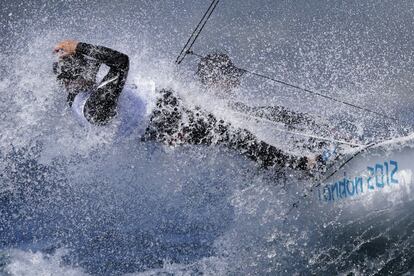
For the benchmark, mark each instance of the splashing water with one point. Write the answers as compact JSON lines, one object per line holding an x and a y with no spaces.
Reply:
{"x":76,"y":201}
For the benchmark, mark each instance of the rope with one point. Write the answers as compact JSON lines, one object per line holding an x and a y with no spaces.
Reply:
{"x":304,"y":89}
{"x":193,"y":37}
{"x":297,"y":133}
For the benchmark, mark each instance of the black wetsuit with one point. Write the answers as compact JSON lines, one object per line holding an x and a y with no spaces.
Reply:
{"x":101,"y":105}
{"x":171,"y":122}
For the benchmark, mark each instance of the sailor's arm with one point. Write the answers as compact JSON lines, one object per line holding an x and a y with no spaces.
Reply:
{"x":118,"y":66}
{"x":117,"y":61}
{"x":109,"y":57}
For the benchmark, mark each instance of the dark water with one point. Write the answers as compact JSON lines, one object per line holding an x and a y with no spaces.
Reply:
{"x":78,"y":202}
{"x":115,"y":212}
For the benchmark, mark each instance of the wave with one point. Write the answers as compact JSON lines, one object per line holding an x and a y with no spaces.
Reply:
{"x":78,"y":202}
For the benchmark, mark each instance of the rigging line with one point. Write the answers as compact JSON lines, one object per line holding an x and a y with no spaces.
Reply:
{"x":298,"y":133}
{"x":202,"y":27}
{"x":196,"y":32}
{"x":198,"y":25}
{"x":321,"y":95}
{"x":305,"y":90}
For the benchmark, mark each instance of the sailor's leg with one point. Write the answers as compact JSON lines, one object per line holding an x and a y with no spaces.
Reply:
{"x":171,"y":123}
{"x":264,"y":154}
{"x":277,"y":114}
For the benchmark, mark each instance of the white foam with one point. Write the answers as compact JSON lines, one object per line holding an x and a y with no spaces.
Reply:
{"x":27,"y":263}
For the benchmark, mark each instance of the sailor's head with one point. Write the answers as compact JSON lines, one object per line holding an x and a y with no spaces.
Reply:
{"x":216,"y":70}
{"x":72,"y":69}
{"x":69,"y":68}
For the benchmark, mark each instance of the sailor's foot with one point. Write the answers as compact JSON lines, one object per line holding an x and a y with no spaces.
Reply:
{"x":316,"y":165}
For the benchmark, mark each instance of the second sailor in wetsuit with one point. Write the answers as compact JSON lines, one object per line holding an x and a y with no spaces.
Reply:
{"x":171,"y":122}
{"x":216,"y":70}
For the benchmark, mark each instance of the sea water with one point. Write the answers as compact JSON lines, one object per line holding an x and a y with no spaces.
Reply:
{"x":76,"y":201}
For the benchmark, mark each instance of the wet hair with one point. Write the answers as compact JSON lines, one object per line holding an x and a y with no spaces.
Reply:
{"x":217,"y":69}
{"x":75,"y":67}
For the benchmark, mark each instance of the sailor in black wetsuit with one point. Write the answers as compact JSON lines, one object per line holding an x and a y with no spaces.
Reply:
{"x":77,"y":69}
{"x":170,"y":122}
{"x":217,"y":70}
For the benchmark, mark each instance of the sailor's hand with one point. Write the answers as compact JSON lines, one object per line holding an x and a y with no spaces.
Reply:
{"x":316,"y":164}
{"x":311,"y":164}
{"x":66,"y":48}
